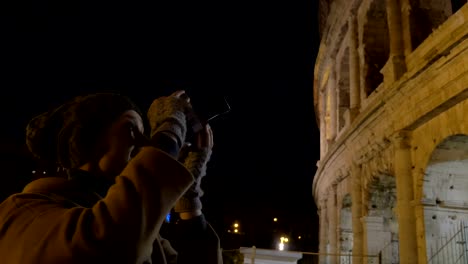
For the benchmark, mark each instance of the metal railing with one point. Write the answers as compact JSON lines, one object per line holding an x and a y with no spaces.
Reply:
{"x":450,"y":249}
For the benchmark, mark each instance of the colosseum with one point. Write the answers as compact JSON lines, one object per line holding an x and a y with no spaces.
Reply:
{"x":391,"y":100}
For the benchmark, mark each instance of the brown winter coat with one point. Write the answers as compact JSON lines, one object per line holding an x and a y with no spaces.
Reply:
{"x":46,"y":224}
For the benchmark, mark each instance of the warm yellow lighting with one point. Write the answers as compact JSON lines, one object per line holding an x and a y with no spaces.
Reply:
{"x":286,"y":239}
{"x":236,"y":225}
{"x":235,"y":230}
{"x":281,"y":246}
{"x":299,"y":237}
{"x":275,"y":219}
{"x":328,"y":125}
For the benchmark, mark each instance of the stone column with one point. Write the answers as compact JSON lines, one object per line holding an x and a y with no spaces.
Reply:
{"x":354,"y":78}
{"x":397,"y":58}
{"x":356,"y":208}
{"x":333,"y":105}
{"x":323,"y":126}
{"x":323,"y":231}
{"x":406,"y":6}
{"x":332,"y":225}
{"x":338,"y":206}
{"x":420,"y":231}
{"x":405,"y":196}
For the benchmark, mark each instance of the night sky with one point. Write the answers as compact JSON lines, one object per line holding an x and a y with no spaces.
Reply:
{"x":259,"y":54}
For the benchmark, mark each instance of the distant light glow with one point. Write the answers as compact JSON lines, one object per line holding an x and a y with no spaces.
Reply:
{"x":168,"y":218}
{"x":281,"y":246}
{"x":235,"y":230}
{"x":275,"y":219}
{"x":236,"y":225}
{"x":299,"y":237}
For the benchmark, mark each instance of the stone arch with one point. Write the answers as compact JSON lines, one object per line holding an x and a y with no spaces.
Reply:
{"x":343,"y":89}
{"x":381,"y":224}
{"x":445,"y":190}
{"x":376,"y":47}
{"x":428,"y":15}
{"x":346,"y":228}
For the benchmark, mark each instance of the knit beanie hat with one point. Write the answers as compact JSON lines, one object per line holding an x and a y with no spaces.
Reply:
{"x":67,"y":136}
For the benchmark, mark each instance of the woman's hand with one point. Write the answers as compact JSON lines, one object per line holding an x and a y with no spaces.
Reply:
{"x":204,"y":139}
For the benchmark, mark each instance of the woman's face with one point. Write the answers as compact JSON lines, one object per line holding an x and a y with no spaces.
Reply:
{"x":122,"y":139}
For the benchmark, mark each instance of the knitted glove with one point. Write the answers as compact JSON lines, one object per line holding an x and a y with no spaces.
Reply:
{"x":196,"y":162}
{"x":168,"y":115}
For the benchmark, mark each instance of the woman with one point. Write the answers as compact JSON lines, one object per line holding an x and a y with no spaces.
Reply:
{"x":119,"y":189}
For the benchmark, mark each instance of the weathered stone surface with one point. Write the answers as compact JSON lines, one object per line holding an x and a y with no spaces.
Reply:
{"x":396,"y":164}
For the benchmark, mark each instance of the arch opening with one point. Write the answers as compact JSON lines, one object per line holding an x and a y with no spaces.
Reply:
{"x":445,"y":192}
{"x":343,"y":90}
{"x":381,"y":223}
{"x":346,"y":229}
{"x":376,"y":45}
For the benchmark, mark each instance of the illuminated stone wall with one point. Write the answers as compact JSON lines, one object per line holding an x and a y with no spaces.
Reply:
{"x":391,"y":96}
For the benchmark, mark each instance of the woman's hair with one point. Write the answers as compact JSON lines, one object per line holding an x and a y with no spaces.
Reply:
{"x":67,"y":136}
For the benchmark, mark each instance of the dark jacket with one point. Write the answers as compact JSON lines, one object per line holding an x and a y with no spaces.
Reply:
{"x":56,"y":220}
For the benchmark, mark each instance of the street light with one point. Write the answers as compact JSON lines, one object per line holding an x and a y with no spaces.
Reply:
{"x":281,"y":245}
